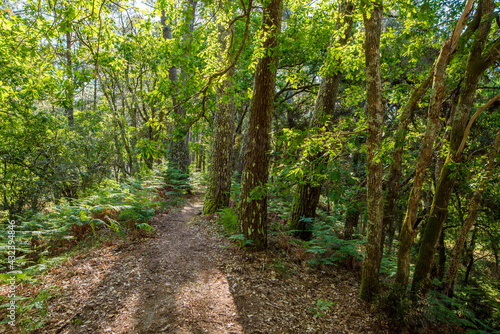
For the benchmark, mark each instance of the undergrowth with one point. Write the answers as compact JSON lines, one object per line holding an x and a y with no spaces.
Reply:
{"x":49,"y":237}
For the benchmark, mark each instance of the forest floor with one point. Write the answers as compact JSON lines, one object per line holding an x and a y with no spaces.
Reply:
{"x":188,"y":278}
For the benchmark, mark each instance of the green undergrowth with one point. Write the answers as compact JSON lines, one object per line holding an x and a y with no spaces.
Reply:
{"x":473,"y":309}
{"x":114,"y":210}
{"x":228,"y":217}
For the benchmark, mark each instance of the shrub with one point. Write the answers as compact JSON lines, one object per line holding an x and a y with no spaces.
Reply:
{"x":229,"y":219}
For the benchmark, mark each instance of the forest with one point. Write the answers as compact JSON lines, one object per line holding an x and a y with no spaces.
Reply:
{"x":270,"y":166}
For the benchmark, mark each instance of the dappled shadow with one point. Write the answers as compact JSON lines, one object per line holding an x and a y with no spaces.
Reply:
{"x":167,"y":284}
{"x":188,"y":279}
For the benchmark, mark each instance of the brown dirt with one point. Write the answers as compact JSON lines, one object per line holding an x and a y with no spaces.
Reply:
{"x":188,"y":278}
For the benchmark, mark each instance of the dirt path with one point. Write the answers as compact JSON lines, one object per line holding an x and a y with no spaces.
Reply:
{"x":189,"y":279}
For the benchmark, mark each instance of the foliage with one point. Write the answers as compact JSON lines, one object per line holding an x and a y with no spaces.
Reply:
{"x":389,"y":264}
{"x":116,"y":207}
{"x":37,"y":303}
{"x":241,"y":241}
{"x":329,"y":248}
{"x":178,"y":182}
{"x":457,"y":311}
{"x":322,"y":307}
{"x":112,"y":67}
{"x":228,"y":217}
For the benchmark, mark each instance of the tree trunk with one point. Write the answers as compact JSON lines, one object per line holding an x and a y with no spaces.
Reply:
{"x":178,"y":156}
{"x":351,"y":223}
{"x":219,"y":182}
{"x":471,"y":257}
{"x":476,"y":65}
{"x":396,"y":173}
{"x":70,"y":89}
{"x":451,"y":275}
{"x":456,"y":252}
{"x":358,"y":162}
{"x":305,"y":201}
{"x":95,"y":94}
{"x":408,"y":231}
{"x":375,"y":115}
{"x":308,"y":191}
{"x":200,"y":154}
{"x":252,"y":213}
{"x":442,"y":257}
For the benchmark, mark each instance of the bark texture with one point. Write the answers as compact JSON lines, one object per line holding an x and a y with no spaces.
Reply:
{"x":476,"y":65}
{"x":358,"y":162}
{"x":408,"y":229}
{"x":395,"y":172}
{"x":252,"y":213}
{"x":219,"y":182}
{"x":375,"y":108}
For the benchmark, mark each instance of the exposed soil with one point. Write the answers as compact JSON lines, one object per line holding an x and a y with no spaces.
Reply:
{"x":188,"y":278}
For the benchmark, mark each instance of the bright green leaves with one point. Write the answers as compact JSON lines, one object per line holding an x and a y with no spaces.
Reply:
{"x":149,"y":149}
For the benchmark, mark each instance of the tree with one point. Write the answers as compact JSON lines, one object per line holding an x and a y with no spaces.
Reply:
{"x":309,"y":188}
{"x":372,"y":17}
{"x":408,"y":230}
{"x":456,"y":252}
{"x":69,"y":73}
{"x":219,"y":183}
{"x":477,"y":63}
{"x":179,"y":151}
{"x":252,"y":211}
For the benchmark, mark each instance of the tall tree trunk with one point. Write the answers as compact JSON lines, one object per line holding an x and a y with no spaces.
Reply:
{"x":308,"y":191}
{"x":219,"y":182}
{"x":476,"y":65}
{"x":95,"y":94}
{"x":133,"y":118}
{"x":442,"y":257}
{"x":456,"y":252}
{"x":110,"y":96}
{"x":375,"y":116}
{"x":351,"y":222}
{"x":200,"y":154}
{"x":468,"y":270}
{"x":395,"y":174}
{"x":354,"y":210}
{"x":70,"y":85}
{"x":252,"y":213}
{"x":178,"y":156}
{"x":408,"y":229}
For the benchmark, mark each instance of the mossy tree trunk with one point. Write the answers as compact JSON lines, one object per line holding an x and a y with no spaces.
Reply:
{"x":371,"y":266}
{"x":408,"y":229}
{"x":252,"y":212}
{"x":477,"y":63}
{"x":219,"y":182}
{"x":395,"y":174}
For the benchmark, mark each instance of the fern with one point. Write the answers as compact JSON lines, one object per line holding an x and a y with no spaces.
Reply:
{"x":326,"y":241}
{"x":229,"y":219}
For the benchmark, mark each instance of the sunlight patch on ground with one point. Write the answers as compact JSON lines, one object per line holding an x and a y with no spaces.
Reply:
{"x":128,"y":311}
{"x":206,"y":304}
